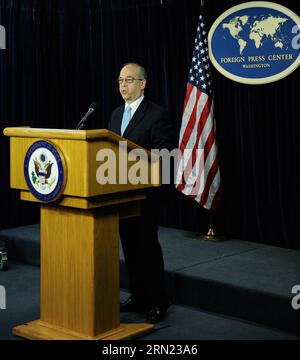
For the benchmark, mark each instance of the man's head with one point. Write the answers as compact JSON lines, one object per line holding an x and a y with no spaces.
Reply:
{"x":132,"y":82}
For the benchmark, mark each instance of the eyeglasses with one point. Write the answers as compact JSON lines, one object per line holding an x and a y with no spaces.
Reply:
{"x":128,"y":80}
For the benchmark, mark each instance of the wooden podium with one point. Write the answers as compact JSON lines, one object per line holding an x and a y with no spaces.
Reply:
{"x":79,"y":295}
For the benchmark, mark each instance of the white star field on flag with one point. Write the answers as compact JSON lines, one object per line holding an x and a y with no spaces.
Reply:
{"x":200,"y":75}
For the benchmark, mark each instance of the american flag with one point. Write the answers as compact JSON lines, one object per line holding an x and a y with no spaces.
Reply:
{"x":198,"y":174}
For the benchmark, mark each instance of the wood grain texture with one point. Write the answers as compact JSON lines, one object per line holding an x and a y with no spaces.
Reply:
{"x":79,"y":269}
{"x":39,"y":330}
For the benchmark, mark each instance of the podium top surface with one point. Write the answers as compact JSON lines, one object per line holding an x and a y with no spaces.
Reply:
{"x":69,"y":134}
{"x":72,"y":134}
{"x":89,"y":135}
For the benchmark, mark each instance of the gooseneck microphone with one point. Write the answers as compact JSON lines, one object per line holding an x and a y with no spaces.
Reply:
{"x":91,"y":109}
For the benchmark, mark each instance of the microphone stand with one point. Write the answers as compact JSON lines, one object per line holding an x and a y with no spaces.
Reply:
{"x":82,"y":122}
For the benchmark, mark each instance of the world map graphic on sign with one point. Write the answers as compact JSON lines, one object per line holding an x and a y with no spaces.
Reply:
{"x":244,"y":29}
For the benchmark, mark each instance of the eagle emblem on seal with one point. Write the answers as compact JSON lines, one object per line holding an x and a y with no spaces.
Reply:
{"x":42,"y":171}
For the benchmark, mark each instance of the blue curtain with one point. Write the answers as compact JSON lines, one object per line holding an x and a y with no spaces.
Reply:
{"x":62,"y":55}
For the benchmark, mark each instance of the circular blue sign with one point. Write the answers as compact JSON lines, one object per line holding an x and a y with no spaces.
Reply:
{"x":44,"y":171}
{"x":255,"y":42}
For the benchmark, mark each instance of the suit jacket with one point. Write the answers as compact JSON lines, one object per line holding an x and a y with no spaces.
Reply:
{"x":149,"y":127}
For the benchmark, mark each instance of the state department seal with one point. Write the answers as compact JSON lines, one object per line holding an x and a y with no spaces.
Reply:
{"x":44,"y":171}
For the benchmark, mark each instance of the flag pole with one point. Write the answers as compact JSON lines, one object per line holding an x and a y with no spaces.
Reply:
{"x":198,"y":174}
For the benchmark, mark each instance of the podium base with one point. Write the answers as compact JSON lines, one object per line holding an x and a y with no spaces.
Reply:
{"x":40,"y":330}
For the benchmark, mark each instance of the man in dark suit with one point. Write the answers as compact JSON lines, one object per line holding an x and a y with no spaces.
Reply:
{"x":146,"y":124}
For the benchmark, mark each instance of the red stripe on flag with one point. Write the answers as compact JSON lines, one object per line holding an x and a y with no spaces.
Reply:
{"x":189,"y":128}
{"x":191,"y":162}
{"x":210,"y":177}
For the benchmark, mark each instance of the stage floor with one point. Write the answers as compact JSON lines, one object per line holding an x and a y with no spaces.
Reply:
{"x":228,"y":290}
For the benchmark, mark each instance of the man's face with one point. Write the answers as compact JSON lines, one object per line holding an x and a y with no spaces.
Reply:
{"x":133,"y":88}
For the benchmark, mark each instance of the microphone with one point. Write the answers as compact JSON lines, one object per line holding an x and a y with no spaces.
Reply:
{"x":91,"y":109}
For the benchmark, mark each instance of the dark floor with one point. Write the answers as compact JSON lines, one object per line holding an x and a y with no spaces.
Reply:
{"x":229,"y":290}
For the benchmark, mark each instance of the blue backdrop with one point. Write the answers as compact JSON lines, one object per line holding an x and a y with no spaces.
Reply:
{"x":62,"y":55}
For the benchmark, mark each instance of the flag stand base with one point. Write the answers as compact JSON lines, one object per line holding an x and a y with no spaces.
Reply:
{"x":211,"y":235}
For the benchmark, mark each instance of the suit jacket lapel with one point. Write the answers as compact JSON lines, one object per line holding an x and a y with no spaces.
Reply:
{"x":118,"y":120}
{"x":137,"y":117}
